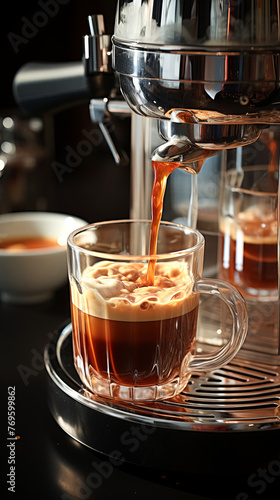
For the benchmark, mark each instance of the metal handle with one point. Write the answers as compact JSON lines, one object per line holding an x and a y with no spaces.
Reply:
{"x":40,"y":87}
{"x":100,"y":113}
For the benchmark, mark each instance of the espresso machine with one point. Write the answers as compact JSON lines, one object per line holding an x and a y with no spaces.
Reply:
{"x":198,"y":78}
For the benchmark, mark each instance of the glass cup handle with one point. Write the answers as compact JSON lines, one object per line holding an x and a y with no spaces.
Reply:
{"x":236,"y":304}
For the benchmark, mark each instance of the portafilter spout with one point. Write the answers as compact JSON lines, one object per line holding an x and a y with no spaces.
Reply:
{"x":190,"y":144}
{"x":178,"y":150}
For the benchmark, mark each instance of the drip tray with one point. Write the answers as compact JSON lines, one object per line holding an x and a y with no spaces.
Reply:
{"x":238,"y":398}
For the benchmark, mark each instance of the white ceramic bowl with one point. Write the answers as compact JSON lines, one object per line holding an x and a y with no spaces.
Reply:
{"x":30,"y":276}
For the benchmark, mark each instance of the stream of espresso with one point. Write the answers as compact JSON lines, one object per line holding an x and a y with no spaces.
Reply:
{"x":162,"y":170}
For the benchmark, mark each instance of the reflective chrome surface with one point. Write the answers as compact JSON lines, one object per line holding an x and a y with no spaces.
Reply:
{"x":210,"y":136}
{"x":97,"y":46}
{"x":216,"y":62}
{"x":219,"y":60}
{"x":214,"y":88}
{"x":190,"y":144}
{"x":191,"y":23}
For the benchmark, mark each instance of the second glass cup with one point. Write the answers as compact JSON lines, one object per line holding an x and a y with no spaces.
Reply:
{"x":132,"y":340}
{"x":248,"y":229}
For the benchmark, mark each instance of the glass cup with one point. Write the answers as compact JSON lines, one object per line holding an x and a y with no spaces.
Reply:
{"x":134,"y":341}
{"x":248,"y":232}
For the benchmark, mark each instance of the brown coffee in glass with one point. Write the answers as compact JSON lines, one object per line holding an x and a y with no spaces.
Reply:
{"x":135,"y":340}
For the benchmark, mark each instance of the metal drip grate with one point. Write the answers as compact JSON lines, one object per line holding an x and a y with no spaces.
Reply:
{"x":240,"y":391}
{"x":240,"y":396}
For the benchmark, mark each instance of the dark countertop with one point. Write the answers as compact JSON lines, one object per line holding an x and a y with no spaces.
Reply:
{"x":50,"y":464}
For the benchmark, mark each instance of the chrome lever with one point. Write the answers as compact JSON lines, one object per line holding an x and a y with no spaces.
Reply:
{"x":100,"y":113}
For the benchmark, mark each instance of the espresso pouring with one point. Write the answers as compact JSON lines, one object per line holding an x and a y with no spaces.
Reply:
{"x":153,"y":301}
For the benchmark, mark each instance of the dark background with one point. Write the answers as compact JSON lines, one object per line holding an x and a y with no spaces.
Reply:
{"x":96,"y":189}
{"x":48,"y":462}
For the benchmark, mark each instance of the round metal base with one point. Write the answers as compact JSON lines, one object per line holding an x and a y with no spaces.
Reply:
{"x":223,"y":404}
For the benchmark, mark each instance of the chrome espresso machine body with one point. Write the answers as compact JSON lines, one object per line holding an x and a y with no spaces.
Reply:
{"x":208,"y":73}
